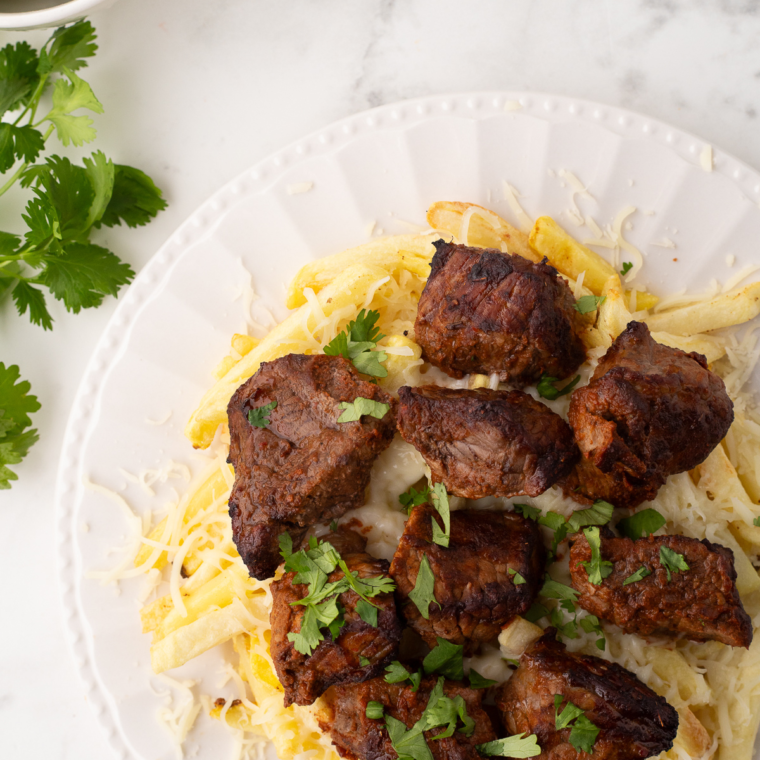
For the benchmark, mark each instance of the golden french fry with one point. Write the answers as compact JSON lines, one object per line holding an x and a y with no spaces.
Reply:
{"x":517,"y":636}
{"x":614,"y":315}
{"x":152,"y":614}
{"x":350,"y":287}
{"x":672,"y":668}
{"x":485,"y":229}
{"x":211,"y":489}
{"x":241,"y":345}
{"x":706,"y":345}
{"x":747,"y":579}
{"x":412,"y":252}
{"x":692,"y":737}
{"x":572,"y":258}
{"x":199,"y":636}
{"x":724,"y":310}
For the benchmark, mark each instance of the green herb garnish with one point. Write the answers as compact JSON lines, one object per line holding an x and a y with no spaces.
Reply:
{"x":547,"y":390}
{"x":672,"y":561}
{"x":639,"y":575}
{"x":445,"y":659}
{"x":422,"y":595}
{"x":520,"y":746}
{"x":259,"y":416}
{"x":641,"y":524}
{"x":356,"y":343}
{"x":16,"y":404}
{"x":413,"y":498}
{"x":597,"y":568}
{"x":354,"y":410}
{"x":587,"y":304}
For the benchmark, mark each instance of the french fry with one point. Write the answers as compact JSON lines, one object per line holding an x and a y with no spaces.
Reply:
{"x":614,"y":315}
{"x":747,"y":579}
{"x":672,"y":668}
{"x":152,"y":614}
{"x":350,"y":287}
{"x":706,"y":345}
{"x":692,"y":737}
{"x":412,"y":252}
{"x":485,"y":230}
{"x":241,"y":345}
{"x":724,"y":310}
{"x":517,"y":636}
{"x":197,"y":637}
{"x":571,"y":258}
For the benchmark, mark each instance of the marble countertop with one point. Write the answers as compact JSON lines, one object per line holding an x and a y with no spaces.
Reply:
{"x":195,"y":91}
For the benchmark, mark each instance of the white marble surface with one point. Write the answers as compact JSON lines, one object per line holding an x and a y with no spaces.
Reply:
{"x":197,"y":90}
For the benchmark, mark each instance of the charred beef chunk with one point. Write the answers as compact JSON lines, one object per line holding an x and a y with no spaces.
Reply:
{"x":490,"y":312}
{"x":361,"y":738}
{"x":304,"y":467}
{"x":633,"y":722}
{"x":700,"y":603}
{"x":649,"y":411}
{"x":486,"y":443}
{"x":476,"y":593}
{"x":338,"y":661}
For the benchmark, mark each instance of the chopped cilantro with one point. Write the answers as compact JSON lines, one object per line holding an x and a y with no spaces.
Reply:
{"x":587,"y":304}
{"x":16,"y":404}
{"x":672,"y":561}
{"x":441,"y":503}
{"x":477,"y":681}
{"x":258,"y":416}
{"x":583,"y":732}
{"x":600,"y":513}
{"x":354,"y":410}
{"x":555,"y":590}
{"x":591,"y":624}
{"x":397,"y":673}
{"x":516,"y":663}
{"x":364,"y":661}
{"x":356,"y":343}
{"x":546,"y":388}
{"x":557,"y":523}
{"x":409,"y":745}
{"x":367,"y":612}
{"x":413,"y":498}
{"x":445,"y":659}
{"x":286,"y":545}
{"x":536,"y":612}
{"x":520,"y":746}
{"x":531,"y":513}
{"x":627,"y":266}
{"x":422,"y":594}
{"x":756,"y":522}
{"x":568,"y":629}
{"x":375,"y":710}
{"x":334,"y":526}
{"x":639,"y":575}
{"x":641,"y":524}
{"x":516,"y":577}
{"x":598,"y":569}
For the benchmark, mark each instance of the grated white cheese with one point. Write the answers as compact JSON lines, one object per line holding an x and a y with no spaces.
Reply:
{"x":578,"y":292}
{"x":664,"y":243}
{"x":730,"y":260}
{"x":299,"y":187}
{"x":706,"y":158}
{"x":629,"y":248}
{"x":513,"y":105}
{"x":510,"y":196}
{"x":179,"y":712}
{"x":742,"y":274}
{"x":576,"y":188}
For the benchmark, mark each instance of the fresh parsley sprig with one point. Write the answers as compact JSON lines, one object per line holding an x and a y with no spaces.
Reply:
{"x":354,"y":410}
{"x":583,"y":732}
{"x":259,"y":415}
{"x":641,"y":524}
{"x":520,"y":746}
{"x":423,"y":592}
{"x":597,"y":568}
{"x":357,"y":343}
{"x":16,"y":404}
{"x":412,"y":498}
{"x":587,"y":304}
{"x":546,"y":388}
{"x":639,"y":575}
{"x":672,"y":561}
{"x":397,"y":673}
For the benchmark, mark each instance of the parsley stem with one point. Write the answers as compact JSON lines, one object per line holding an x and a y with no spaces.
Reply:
{"x":34,"y":101}
{"x":9,"y":184}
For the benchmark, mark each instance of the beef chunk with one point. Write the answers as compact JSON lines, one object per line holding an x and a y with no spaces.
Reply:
{"x":476,"y":592}
{"x":486,"y":443}
{"x":634,"y":722}
{"x":303,"y":467}
{"x":490,"y":312}
{"x":306,"y":677}
{"x":700,"y":604}
{"x":649,"y":411}
{"x":361,"y":738}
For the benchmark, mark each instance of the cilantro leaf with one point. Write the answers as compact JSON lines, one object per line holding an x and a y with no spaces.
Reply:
{"x":627,"y":266}
{"x":583,"y":735}
{"x":363,"y":661}
{"x":259,"y":415}
{"x":598,"y":514}
{"x":591,"y":624}
{"x":558,"y":524}
{"x":413,"y":498}
{"x":15,"y":399}
{"x":135,"y":199}
{"x":555,"y":590}
{"x":440,"y":500}
{"x":444,"y":711}
{"x":100,"y":172}
{"x":18,"y":75}
{"x":27,"y":297}
{"x":70,"y":46}
{"x":517,"y":579}
{"x":641,"y":524}
{"x":672,"y":561}
{"x":536,"y":612}
{"x":477,"y":681}
{"x":422,"y":595}
{"x":369,"y":363}
{"x":531,"y":513}
{"x":546,"y":388}
{"x":13,"y":448}
{"x":756,"y":522}
{"x":286,"y":545}
{"x":374,"y":710}
{"x":409,"y":745}
{"x":356,"y":409}
{"x":367,"y":612}
{"x":356,"y":342}
{"x":363,"y":330}
{"x":396,"y":673}
{"x":564,"y":628}
{"x":597,"y":568}
{"x":334,"y":526}
{"x":307,"y":639}
{"x":24,"y":143}
{"x":639,"y":575}
{"x":83,"y":274}
{"x":520,"y":746}
{"x":445,"y":659}
{"x":587,"y":304}
{"x":69,"y":97}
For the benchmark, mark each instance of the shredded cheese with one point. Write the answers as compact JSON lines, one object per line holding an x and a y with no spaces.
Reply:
{"x":510,"y":196}
{"x":299,"y":187}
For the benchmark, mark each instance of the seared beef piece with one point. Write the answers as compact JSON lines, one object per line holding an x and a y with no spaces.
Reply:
{"x":490,"y":312}
{"x":486,"y":443}
{"x":305,"y":678}
{"x":649,"y":411}
{"x":634,"y":722}
{"x":303,"y":467}
{"x":476,"y":593}
{"x":700,"y":603}
{"x":358,"y":737}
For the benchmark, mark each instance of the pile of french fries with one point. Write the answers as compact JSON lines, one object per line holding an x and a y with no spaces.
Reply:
{"x":217,"y":601}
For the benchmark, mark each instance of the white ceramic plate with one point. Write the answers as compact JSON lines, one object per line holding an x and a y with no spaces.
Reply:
{"x":384,"y":166}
